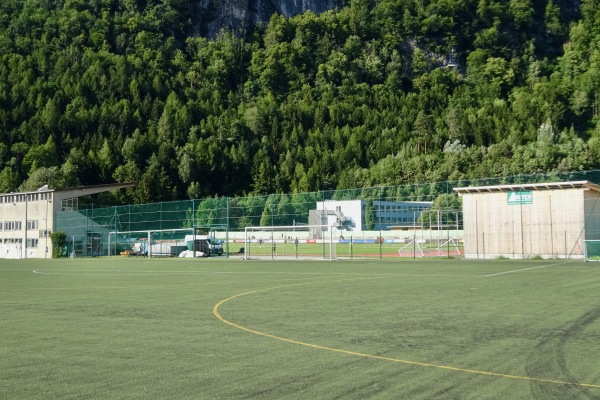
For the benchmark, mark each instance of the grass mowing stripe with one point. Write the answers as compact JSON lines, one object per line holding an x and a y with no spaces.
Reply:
{"x":527,"y":269}
{"x":189,"y":285}
{"x":371,"y":356}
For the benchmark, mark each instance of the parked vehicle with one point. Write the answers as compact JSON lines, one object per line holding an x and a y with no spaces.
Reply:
{"x":205,"y":244}
{"x":216,"y":247}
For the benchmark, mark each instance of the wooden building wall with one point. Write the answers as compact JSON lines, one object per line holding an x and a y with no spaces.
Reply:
{"x":551,"y":226}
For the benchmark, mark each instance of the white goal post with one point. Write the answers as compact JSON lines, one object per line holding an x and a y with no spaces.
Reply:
{"x":592,"y":250}
{"x":151,"y":243}
{"x":290,"y":242}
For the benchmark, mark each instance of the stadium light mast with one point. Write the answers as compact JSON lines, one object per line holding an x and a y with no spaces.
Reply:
{"x":26,"y":227}
{"x":48,"y":201}
{"x":3,"y":202}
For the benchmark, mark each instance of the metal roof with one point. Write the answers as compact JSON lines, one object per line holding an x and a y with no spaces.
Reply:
{"x":529,"y":186}
{"x":93,"y":189}
{"x":81,"y":190}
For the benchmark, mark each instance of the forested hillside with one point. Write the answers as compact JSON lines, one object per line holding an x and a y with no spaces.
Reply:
{"x":383,"y":92}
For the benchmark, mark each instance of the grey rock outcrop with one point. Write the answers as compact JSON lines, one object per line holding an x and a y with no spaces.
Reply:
{"x":242,"y":14}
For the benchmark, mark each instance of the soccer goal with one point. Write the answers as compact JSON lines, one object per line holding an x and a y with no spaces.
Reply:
{"x":151,"y":243}
{"x":290,"y":242}
{"x":592,"y":250}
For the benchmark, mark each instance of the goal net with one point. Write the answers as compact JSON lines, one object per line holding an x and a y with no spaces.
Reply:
{"x":184,"y":242}
{"x":592,"y":250}
{"x":152,"y":243}
{"x":290,"y":242}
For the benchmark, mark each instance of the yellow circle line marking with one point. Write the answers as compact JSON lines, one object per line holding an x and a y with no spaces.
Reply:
{"x":371,"y":356}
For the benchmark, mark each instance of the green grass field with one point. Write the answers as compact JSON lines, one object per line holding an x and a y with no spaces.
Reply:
{"x":137,"y":328}
{"x":356,"y":250}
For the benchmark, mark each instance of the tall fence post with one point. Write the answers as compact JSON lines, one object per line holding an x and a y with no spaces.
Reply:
{"x":483,"y":244}
{"x":116,"y":230}
{"x":227,"y":230}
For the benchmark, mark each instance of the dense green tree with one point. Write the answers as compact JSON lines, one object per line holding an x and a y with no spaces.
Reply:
{"x":8,"y":180}
{"x":386,"y":92}
{"x":370,"y":217}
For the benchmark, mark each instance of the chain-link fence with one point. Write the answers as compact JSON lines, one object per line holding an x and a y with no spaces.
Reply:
{"x":419,"y":219}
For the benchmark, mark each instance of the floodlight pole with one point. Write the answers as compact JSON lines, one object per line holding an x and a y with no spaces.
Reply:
{"x":116,"y":230}
{"x":3,"y":221}
{"x":26,"y":203}
{"x":380,"y":237}
{"x":227,"y":231}
{"x":330,"y":243}
{"x":272,"y":246}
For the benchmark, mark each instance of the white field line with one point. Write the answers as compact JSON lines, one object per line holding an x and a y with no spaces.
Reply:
{"x":206,"y":272}
{"x":525,"y":269}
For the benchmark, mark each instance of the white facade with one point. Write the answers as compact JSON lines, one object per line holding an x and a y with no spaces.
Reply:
{"x":28,"y":218}
{"x":350,"y":214}
{"x":26,"y":221}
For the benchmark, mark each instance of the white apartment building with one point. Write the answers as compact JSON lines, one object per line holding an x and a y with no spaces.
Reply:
{"x":27,"y":218}
{"x":350,"y":214}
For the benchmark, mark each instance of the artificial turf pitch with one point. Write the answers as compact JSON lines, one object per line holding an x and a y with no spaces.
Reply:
{"x":136,"y":328}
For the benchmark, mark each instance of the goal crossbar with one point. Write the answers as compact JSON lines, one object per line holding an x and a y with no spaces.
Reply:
{"x":295,"y":242}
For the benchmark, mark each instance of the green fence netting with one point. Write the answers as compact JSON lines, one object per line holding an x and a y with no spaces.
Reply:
{"x":94,"y":231}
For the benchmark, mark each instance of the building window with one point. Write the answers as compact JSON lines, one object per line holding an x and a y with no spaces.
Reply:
{"x":44,"y":233}
{"x":1,"y":226}
{"x":69,"y":204}
{"x":32,"y":225}
{"x":18,"y":226}
{"x":32,"y":243}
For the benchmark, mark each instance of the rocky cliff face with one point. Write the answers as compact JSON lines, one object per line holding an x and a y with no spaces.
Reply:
{"x":241,"y":14}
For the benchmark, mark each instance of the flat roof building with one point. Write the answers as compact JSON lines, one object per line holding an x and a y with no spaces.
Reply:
{"x":28,"y":218}
{"x":548,"y":220}
{"x":350,"y":215}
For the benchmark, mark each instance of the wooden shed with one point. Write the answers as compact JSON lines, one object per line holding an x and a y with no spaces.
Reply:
{"x":548,"y":220}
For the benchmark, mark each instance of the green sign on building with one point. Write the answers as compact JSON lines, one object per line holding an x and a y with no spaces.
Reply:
{"x":517,"y":198}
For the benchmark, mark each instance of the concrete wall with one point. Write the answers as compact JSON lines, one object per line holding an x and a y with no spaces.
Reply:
{"x":350,"y":208}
